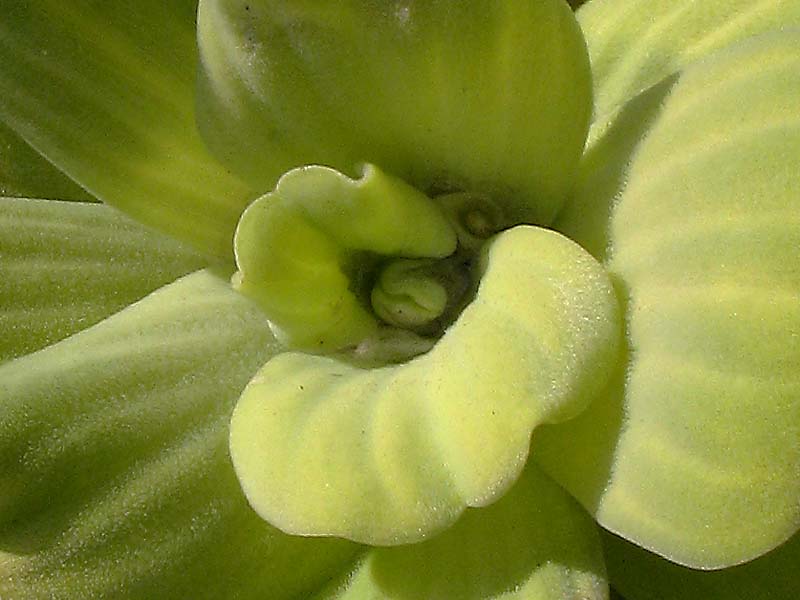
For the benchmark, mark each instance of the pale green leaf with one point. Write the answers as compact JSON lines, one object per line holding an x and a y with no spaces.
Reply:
{"x":634,"y":44}
{"x":641,"y":575}
{"x":105,"y":91}
{"x":536,"y":543}
{"x":603,"y":170}
{"x":25,"y":173}
{"x":394,"y":454}
{"x":295,"y":246}
{"x":114,"y":471}
{"x":66,"y":265}
{"x":705,"y":241}
{"x":637,"y":49}
{"x":489,"y":97}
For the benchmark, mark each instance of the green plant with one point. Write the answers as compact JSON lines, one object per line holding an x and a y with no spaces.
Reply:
{"x":533,"y":288}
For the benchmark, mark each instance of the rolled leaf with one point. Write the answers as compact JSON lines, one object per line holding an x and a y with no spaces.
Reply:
{"x":298,"y":249}
{"x":394,"y":454}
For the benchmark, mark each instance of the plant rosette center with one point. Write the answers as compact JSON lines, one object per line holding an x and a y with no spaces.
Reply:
{"x":371,"y":267}
{"x":422,"y":325}
{"x":434,"y":317}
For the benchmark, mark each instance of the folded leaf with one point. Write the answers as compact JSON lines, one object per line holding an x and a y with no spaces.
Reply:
{"x":705,"y":242}
{"x":392,"y":455}
{"x":105,"y":91}
{"x":67,"y":265}
{"x":490,"y":97}
{"x":534,"y":544}
{"x":115,"y":480}
{"x":297,"y":248}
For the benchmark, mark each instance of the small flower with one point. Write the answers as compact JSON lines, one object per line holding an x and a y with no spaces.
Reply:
{"x":425,"y":299}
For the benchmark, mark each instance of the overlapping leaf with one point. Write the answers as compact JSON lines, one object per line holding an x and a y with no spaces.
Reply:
{"x":491,"y":97}
{"x":637,"y":49}
{"x":705,"y":240}
{"x":534,"y":544}
{"x":25,"y":173}
{"x":634,"y":44}
{"x":67,"y":265}
{"x":392,"y":455}
{"x":641,"y":575}
{"x":105,"y":90}
{"x":114,"y":469}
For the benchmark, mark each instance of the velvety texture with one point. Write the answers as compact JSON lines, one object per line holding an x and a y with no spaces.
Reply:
{"x":633,"y":366}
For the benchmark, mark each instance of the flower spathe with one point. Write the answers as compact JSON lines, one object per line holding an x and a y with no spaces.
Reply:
{"x":116,"y":479}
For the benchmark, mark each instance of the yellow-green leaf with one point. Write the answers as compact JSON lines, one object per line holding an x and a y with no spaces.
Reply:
{"x":394,"y":454}
{"x":536,"y":543}
{"x":489,"y":97}
{"x":705,"y":241}
{"x":634,"y":44}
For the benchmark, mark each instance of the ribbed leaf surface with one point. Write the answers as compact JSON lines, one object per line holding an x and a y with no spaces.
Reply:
{"x":105,"y":90}
{"x":66,"y":265}
{"x":114,"y":470}
{"x":705,"y":241}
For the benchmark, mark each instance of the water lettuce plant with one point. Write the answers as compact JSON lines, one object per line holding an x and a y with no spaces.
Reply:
{"x":403,"y":299}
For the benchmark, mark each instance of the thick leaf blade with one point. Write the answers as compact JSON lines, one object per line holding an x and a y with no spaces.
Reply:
{"x":705,"y":242}
{"x":105,"y":91}
{"x":116,"y":480}
{"x":534,"y":544}
{"x":67,"y":265}
{"x":393,"y":455}
{"x":490,"y":98}
{"x":634,"y":44}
